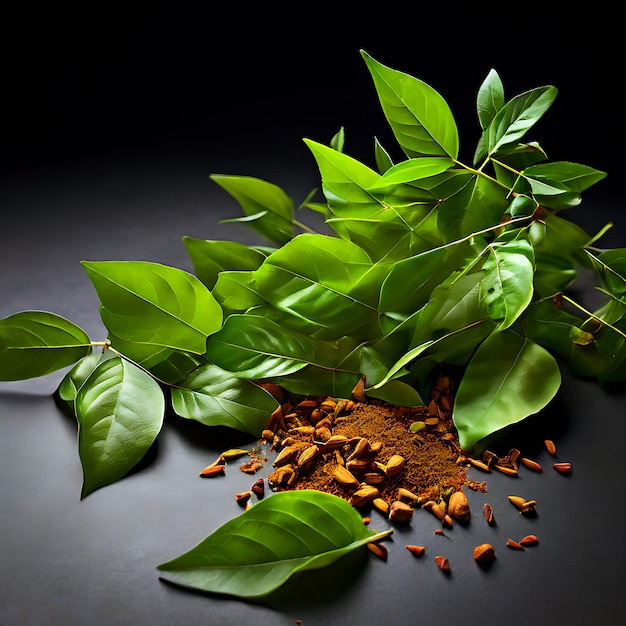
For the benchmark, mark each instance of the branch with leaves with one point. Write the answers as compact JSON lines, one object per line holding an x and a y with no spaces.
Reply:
{"x":432,"y":264}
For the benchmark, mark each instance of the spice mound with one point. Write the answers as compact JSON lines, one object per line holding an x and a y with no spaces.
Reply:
{"x":367,"y":451}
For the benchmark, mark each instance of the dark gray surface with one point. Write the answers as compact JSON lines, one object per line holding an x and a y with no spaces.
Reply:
{"x":70,"y":563}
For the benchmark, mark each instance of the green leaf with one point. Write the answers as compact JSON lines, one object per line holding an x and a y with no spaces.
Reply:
{"x":574,"y":176}
{"x":381,"y":156}
{"x":507,"y":288}
{"x":120,"y":412}
{"x":156,"y":304}
{"x":419,"y":117}
{"x":508,"y":379}
{"x":253,"y":347}
{"x":329,"y":281}
{"x":479,"y":204}
{"x":269,"y":210}
{"x":73,"y":380}
{"x":513,"y":120}
{"x":210,"y":257}
{"x":413,"y":170}
{"x":213,"y":397}
{"x":490,"y":98}
{"x":36,"y":343}
{"x":410,"y":282}
{"x":261,"y":549}
{"x":237,"y":291}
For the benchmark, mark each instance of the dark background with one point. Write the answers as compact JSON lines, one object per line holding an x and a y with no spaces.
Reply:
{"x":113,"y":120}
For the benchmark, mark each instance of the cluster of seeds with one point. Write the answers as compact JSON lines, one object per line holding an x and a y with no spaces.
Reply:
{"x":392,"y":459}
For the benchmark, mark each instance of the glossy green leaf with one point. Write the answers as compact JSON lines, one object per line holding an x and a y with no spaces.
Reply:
{"x":152,"y":303}
{"x":574,"y":176}
{"x":410,"y":282}
{"x":419,"y":117}
{"x":257,"y":552}
{"x":513,"y":120}
{"x":327,"y":280}
{"x":507,"y":288}
{"x":73,"y":380}
{"x":508,"y":379}
{"x":268,"y":209}
{"x":120,"y":412}
{"x":413,"y":170}
{"x":479,"y":204}
{"x":210,"y":257}
{"x":215,"y":397}
{"x":36,"y":343}
{"x":490,"y":98}
{"x":237,"y":291}
{"x":254,"y":347}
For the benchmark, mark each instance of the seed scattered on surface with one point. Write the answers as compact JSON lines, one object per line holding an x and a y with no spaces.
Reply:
{"x":366,"y":520}
{"x":242,"y":498}
{"x":563,"y":468}
{"x":416,"y":550}
{"x":529,"y":540}
{"x":550,"y":447}
{"x":400,"y":512}
{"x":514,"y":545}
{"x":525,"y":506}
{"x":488,"y":513}
{"x":378,"y":549}
{"x":438,"y":531}
{"x":442,"y":563}
{"x":458,"y":507}
{"x":478,"y":464}
{"x":212,"y":470}
{"x":509,"y":471}
{"x":531,"y":465}
{"x":258,"y":488}
{"x":484,"y":553}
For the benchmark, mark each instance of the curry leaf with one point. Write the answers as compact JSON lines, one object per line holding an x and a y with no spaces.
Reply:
{"x":152,"y":303}
{"x":269,"y":210}
{"x":36,"y":343}
{"x":508,"y":378}
{"x":214,"y":397}
{"x":419,"y":117}
{"x":120,"y":412}
{"x":490,"y":98}
{"x":260,"y":550}
{"x":513,"y":120}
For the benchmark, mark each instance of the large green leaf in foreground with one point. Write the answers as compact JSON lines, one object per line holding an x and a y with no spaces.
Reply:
{"x":257,"y":552}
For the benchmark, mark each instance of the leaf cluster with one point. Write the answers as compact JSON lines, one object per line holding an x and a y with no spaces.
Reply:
{"x":432,"y":263}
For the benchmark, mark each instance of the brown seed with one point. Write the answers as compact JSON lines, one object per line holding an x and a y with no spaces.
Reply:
{"x":438,"y":531}
{"x":407,"y":496}
{"x":563,"y":468}
{"x":345,"y":478}
{"x":380,"y":505}
{"x":525,"y":506}
{"x":416,"y":550}
{"x":364,"y":496}
{"x":447,"y":521}
{"x":374,"y":478}
{"x":438,"y":509}
{"x":531,"y":465}
{"x":378,"y":549}
{"x":242,"y":498}
{"x":529,"y":540}
{"x":394,"y":465}
{"x":550,"y":447}
{"x":509,"y":471}
{"x":514,"y":545}
{"x":458,"y":506}
{"x":366,"y":520}
{"x":258,"y":488}
{"x":484,"y":553}
{"x":307,"y":458}
{"x":334,"y":442}
{"x":212,"y":470}
{"x":286,"y":455}
{"x":442,"y":563}
{"x":478,"y":464}
{"x":488,"y":514}
{"x":400,"y":512}
{"x":233,"y":453}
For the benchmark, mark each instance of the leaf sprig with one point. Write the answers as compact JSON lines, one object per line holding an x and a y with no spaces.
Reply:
{"x":432,"y":264}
